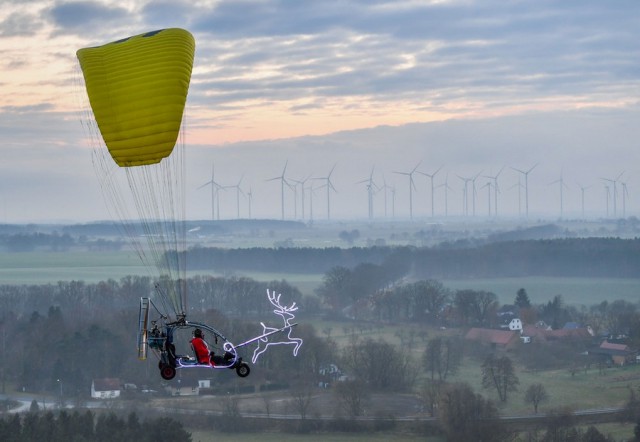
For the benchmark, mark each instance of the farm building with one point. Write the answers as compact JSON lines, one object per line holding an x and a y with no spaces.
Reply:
{"x":107,"y":388}
{"x":502,"y":339}
{"x":540,"y":334}
{"x":615,"y":354}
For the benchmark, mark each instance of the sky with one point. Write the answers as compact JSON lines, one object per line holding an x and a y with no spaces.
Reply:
{"x":367,"y":88}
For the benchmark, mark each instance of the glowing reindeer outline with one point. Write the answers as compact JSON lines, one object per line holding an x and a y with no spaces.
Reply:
{"x":286,"y":313}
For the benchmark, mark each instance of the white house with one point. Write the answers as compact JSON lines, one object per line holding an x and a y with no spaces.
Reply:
{"x":107,"y":388}
{"x":515,"y":325}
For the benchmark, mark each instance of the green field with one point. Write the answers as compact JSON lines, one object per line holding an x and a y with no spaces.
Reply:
{"x":51,"y":267}
{"x":574,"y":291}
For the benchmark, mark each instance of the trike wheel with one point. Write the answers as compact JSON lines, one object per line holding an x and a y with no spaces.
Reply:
{"x":243,"y":370}
{"x":167,"y":372}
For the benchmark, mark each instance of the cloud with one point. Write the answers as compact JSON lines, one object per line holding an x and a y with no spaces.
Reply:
{"x":440,"y":57}
{"x":87,"y":17}
{"x":19,"y":24}
{"x":166,"y":14}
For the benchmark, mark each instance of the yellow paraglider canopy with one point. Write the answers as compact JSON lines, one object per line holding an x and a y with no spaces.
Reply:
{"x":137,"y":89}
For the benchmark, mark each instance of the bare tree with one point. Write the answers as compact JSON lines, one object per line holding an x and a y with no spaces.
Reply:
{"x":353,"y":396}
{"x":499,"y":373}
{"x":267,"y":400}
{"x":380,"y":364}
{"x":430,"y":394}
{"x":535,"y":395}
{"x":442,"y":357}
{"x":301,"y":399}
{"x":474,"y":306}
{"x":465,"y":415}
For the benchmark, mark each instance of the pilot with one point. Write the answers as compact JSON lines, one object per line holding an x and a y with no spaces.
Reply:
{"x":200,"y":348}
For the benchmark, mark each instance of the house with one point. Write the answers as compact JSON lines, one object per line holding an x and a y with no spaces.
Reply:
{"x":107,"y":388}
{"x":503,"y":339}
{"x":544,"y":334}
{"x":184,"y":387}
{"x":615,"y":354}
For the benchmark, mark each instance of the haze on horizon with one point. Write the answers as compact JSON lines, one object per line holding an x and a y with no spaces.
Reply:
{"x":465,"y":88}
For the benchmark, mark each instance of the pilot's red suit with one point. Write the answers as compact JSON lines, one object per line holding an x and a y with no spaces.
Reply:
{"x":201,"y":349}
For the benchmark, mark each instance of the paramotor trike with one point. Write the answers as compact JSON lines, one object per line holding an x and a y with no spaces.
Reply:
{"x":160,"y":339}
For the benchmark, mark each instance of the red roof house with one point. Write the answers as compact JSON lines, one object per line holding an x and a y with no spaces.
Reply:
{"x":506,"y":339}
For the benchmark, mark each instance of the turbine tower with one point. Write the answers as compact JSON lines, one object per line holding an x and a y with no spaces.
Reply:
{"x":238,"y":192}
{"x":562,"y":186}
{"x":625,"y":193}
{"x":385,"y":187}
{"x":330,"y":187}
{"x":488,"y":185}
{"x":311,"y":192}
{"x":495,"y":190}
{"x":446,"y":194}
{"x":302,"y":183}
{"x":371,"y":189}
{"x":526,"y":187}
{"x":411,"y":187}
{"x":582,"y":190}
{"x":614,"y":182}
{"x":519,"y":186}
{"x":465,"y":194}
{"x":283,"y":182}
{"x":473,"y":196}
{"x":431,"y":177}
{"x":215,"y":201}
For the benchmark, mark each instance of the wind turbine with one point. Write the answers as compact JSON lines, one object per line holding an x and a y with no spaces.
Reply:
{"x":249,"y":200}
{"x":330,"y":187}
{"x":431,"y":177}
{"x":283,"y":181}
{"x":473,"y":196}
{"x":519,"y":186}
{"x":625,"y":192}
{"x":465,"y":194}
{"x":488,"y":185}
{"x":385,"y":188}
{"x":371,"y":188}
{"x":238,"y":192}
{"x":615,"y":192}
{"x":582,"y":190}
{"x":411,"y":187}
{"x":526,"y":187}
{"x":215,"y":187}
{"x":562,"y":186}
{"x":393,"y":201}
{"x":495,"y":189}
{"x":301,"y":182}
{"x":311,"y":192}
{"x":446,"y":194}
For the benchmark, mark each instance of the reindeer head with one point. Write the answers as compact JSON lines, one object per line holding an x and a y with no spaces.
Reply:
{"x":283,"y":311}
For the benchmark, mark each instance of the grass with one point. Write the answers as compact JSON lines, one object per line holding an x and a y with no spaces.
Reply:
{"x":574,"y":291}
{"x":205,"y":436}
{"x":51,"y":267}
{"x":583,"y":391}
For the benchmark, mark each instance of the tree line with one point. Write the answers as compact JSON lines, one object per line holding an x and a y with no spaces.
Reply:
{"x":576,"y":257}
{"x":88,"y":427}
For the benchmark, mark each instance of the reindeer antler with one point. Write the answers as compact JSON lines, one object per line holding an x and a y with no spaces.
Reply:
{"x":275,"y":300}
